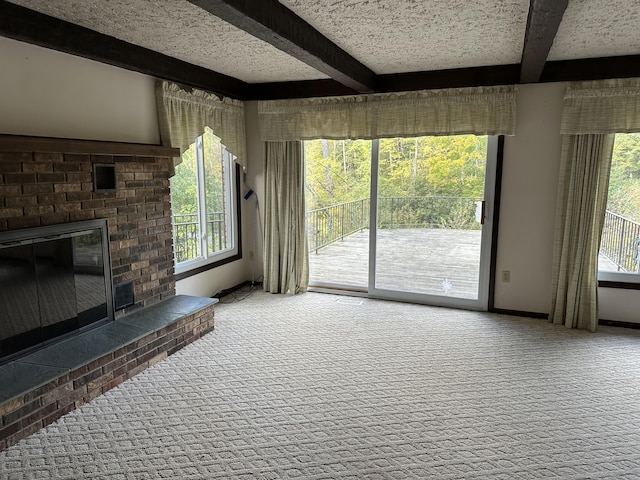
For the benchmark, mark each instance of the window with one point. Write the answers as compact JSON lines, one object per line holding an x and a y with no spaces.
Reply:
{"x":619,"y":259}
{"x":204,"y":199}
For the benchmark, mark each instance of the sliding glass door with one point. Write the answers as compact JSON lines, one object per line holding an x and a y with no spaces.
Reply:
{"x":338,"y":179}
{"x":420,"y":233}
{"x":431,"y":230}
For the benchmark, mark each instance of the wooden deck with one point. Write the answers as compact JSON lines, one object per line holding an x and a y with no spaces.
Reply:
{"x":430,"y":261}
{"x":409,"y":260}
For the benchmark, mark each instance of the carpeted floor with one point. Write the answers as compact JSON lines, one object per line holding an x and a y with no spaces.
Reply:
{"x":321,"y":387}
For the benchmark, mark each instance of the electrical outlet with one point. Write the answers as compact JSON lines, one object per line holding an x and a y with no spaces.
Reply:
{"x":506,"y":276}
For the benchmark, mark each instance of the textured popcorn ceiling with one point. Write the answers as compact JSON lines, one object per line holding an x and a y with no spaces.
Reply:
{"x":388,"y":36}
{"x":598,"y":28}
{"x":182,"y":30}
{"x":392,"y":36}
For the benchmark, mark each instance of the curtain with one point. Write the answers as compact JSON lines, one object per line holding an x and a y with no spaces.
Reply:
{"x":286,"y":258}
{"x":183,"y":114}
{"x":592,"y":112}
{"x":479,"y":111}
{"x":582,"y":201}
{"x":606,"y":106}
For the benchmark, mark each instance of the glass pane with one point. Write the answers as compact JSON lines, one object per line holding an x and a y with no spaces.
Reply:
{"x":56,"y":287}
{"x":19,"y":315}
{"x":620,"y":243}
{"x":88,"y":272}
{"x":216,"y":192}
{"x":184,"y":204}
{"x":429,"y":203}
{"x":338,"y":178}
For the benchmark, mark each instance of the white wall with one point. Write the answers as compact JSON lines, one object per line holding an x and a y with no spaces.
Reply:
{"x":528,"y":200}
{"x":620,"y":305}
{"x":255,"y":180}
{"x":52,"y":94}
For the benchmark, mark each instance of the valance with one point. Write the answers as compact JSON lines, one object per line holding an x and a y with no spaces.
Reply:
{"x":480,"y":111}
{"x":602,"y":106}
{"x":183,"y":114}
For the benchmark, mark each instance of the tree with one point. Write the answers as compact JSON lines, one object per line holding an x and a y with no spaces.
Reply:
{"x":440,"y":166}
{"x":417,"y":178}
{"x":184,"y":188}
{"x":337,"y":171}
{"x":624,"y":182}
{"x":457,"y":165}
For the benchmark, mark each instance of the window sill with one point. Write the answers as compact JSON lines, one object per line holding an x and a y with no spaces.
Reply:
{"x":621,"y":285}
{"x":209,"y":266}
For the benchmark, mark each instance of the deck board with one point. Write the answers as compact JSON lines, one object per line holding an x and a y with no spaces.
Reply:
{"x":409,"y":260}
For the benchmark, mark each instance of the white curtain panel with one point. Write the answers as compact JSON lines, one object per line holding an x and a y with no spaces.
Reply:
{"x":183,"y":114}
{"x":582,"y":201}
{"x":479,"y":111}
{"x":592,"y":113}
{"x":603,"y":106}
{"x":286,"y":256}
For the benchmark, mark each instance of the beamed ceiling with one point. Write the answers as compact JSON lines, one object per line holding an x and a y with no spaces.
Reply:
{"x":265,"y":49}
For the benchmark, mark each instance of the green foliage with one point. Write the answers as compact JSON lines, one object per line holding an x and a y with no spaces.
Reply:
{"x":184,"y":188}
{"x":430,"y":182}
{"x":338,"y":171}
{"x":214,"y":172}
{"x":624,"y":183}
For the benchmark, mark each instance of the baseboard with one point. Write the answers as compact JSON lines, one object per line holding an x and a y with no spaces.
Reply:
{"x":228,"y":291}
{"x":616,"y":323}
{"x":608,"y":323}
{"x":519,"y":313}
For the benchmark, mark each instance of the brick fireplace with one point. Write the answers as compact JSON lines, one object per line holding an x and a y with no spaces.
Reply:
{"x":46,"y":181}
{"x":45,"y":188}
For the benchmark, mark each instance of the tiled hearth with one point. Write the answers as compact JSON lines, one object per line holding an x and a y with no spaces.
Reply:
{"x":41,"y":387}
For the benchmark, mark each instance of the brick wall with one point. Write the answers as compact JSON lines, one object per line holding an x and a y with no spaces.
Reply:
{"x":52,"y":188}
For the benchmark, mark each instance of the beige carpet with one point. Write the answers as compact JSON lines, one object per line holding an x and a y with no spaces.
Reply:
{"x":323,"y":387}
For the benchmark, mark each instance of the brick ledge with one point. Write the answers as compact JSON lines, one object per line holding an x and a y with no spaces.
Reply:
{"x":41,"y":387}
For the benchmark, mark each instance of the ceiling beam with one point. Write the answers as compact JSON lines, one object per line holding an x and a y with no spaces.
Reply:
{"x":275,"y":24}
{"x":603,"y":68}
{"x":624,"y":66}
{"x":542,"y":25}
{"x":396,"y":82}
{"x":298,"y":89}
{"x":450,"y":78}
{"x":25,"y":25}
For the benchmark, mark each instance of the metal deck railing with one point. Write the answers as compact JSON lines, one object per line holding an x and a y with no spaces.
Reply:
{"x":186,"y":239}
{"x":620,"y":242}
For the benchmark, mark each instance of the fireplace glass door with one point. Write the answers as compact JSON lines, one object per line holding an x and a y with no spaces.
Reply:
{"x":52,"y":283}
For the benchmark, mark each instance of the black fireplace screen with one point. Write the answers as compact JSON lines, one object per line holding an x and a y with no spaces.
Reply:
{"x":53,"y":281}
